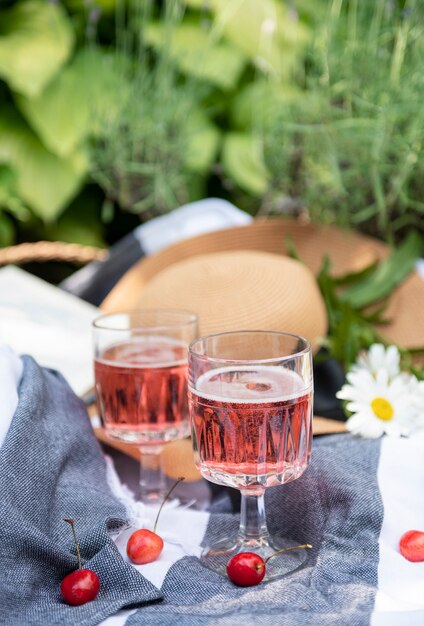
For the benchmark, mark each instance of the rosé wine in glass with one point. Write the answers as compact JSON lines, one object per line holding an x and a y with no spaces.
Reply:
{"x":140,"y":366}
{"x":141,"y":387}
{"x":252,"y":426}
{"x":250,"y":399}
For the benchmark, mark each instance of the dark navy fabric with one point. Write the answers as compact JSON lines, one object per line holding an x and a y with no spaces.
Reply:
{"x":97,"y":279}
{"x":336,"y":506}
{"x":51,"y":467}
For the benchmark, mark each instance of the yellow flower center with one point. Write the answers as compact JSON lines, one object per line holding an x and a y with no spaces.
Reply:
{"x":382,"y":409}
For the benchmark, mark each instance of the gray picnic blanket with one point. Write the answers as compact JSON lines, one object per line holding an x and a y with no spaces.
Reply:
{"x":337,"y":507}
{"x":51,"y":467}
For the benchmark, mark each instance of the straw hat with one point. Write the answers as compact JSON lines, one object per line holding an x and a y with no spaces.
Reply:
{"x":242,"y":290}
{"x":241,"y":278}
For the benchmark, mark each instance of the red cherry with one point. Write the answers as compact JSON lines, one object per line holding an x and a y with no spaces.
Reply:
{"x":246,"y":569}
{"x":80,"y":587}
{"x":411,"y":545}
{"x":144,"y":546}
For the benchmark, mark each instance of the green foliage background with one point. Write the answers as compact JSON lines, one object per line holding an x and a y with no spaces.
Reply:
{"x":113,"y":111}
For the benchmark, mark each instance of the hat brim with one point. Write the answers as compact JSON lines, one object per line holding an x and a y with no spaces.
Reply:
{"x":347,"y":251}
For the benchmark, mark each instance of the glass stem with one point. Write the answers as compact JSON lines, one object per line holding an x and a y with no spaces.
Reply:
{"x":253,"y":530}
{"x":152,"y":477}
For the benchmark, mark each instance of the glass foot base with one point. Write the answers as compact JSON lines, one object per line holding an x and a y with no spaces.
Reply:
{"x":148,"y":438}
{"x":216,"y":556}
{"x":152,"y":498}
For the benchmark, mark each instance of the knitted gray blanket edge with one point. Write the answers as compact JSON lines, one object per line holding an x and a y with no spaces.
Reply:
{"x":52,"y":467}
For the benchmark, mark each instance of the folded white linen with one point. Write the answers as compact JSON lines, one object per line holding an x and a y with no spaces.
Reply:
{"x":400,"y":599}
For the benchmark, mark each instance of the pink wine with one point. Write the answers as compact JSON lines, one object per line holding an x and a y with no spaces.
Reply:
{"x":141,"y":388}
{"x":251,"y":426}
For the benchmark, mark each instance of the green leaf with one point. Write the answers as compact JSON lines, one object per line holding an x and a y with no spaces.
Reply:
{"x":353,"y":277}
{"x":291,"y":250}
{"x":75,"y":229}
{"x":81,"y":221}
{"x":353,"y":313}
{"x":388,"y":275}
{"x":36,"y":38}
{"x":7,"y":232}
{"x":242,"y":161}
{"x":105,"y":6}
{"x":107,"y":211}
{"x":202,"y":144}
{"x":266,"y":31}
{"x":261,"y":102}
{"x":375,"y":316}
{"x":85,"y":95}
{"x":349,"y":328}
{"x":196,"y":4}
{"x":45,"y":182}
{"x":197,"y":55}
{"x":9,"y":196}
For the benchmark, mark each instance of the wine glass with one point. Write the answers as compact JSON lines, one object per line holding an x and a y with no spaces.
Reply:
{"x":141,"y":384}
{"x":250,"y":397}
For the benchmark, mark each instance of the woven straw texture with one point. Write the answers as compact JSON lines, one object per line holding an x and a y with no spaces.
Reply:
{"x":42,"y":251}
{"x":242,"y":290}
{"x":347,"y":251}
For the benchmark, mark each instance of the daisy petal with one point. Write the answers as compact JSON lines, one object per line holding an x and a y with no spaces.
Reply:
{"x":370,"y":428}
{"x":382,"y":377}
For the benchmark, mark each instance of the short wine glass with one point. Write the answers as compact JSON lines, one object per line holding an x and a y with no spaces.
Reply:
{"x":250,"y":397}
{"x":141,"y":384}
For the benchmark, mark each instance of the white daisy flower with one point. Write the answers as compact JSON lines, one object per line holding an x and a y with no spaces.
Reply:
{"x":379,"y":404}
{"x":378,"y":357}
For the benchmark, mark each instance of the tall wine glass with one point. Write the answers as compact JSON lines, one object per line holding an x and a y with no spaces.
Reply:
{"x":250,"y":397}
{"x":141,"y":384}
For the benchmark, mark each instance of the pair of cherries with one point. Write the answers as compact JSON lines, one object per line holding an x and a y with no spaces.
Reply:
{"x":144,"y":546}
{"x":244,"y":569}
{"x":83,"y":585}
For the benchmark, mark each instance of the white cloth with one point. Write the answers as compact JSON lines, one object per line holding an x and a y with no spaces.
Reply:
{"x":187,"y":221}
{"x":51,"y":325}
{"x":400,"y":597}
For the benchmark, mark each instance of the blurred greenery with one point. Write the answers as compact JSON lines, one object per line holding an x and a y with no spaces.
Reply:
{"x":351,"y":148}
{"x":111,"y":108}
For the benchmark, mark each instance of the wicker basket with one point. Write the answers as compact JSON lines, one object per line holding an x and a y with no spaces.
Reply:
{"x":42,"y":251}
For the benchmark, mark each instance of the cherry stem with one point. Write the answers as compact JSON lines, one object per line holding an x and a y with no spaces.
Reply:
{"x":305,"y":545}
{"x":177,"y":482}
{"x":72,"y":522}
